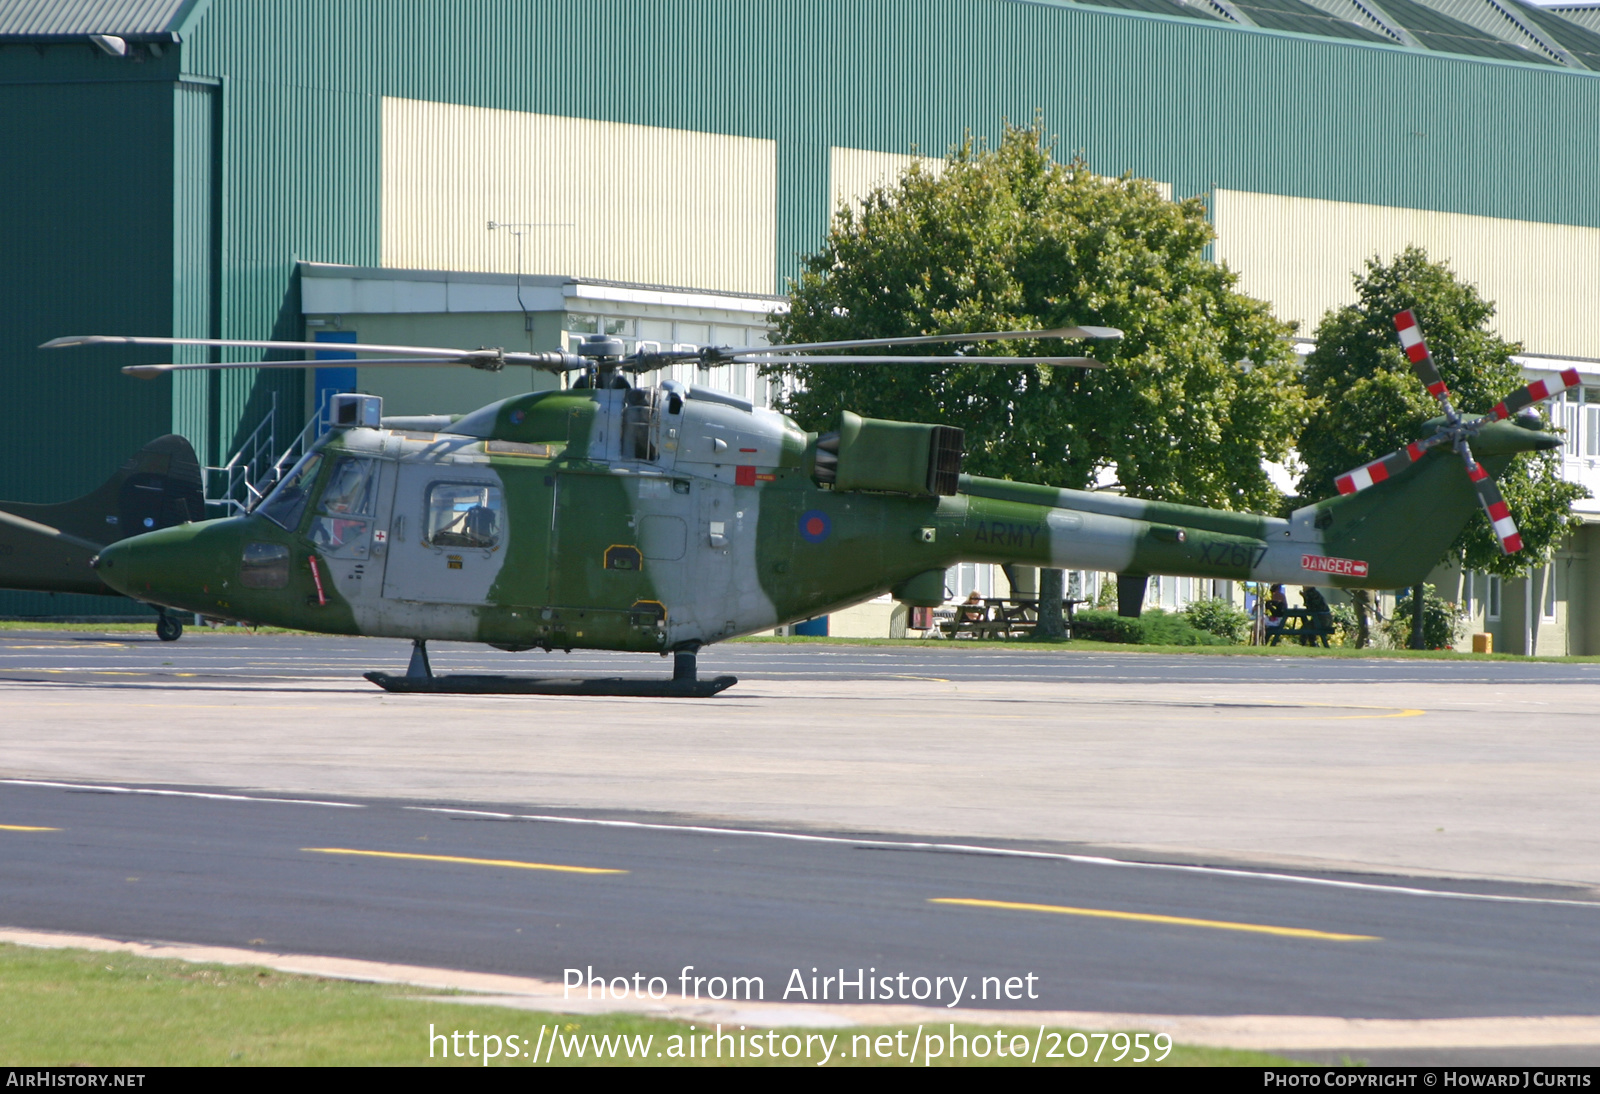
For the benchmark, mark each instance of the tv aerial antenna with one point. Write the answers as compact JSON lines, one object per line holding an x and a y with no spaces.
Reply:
{"x":520,"y":229}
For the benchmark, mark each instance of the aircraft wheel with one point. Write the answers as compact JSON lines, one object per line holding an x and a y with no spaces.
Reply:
{"x":169,"y":628}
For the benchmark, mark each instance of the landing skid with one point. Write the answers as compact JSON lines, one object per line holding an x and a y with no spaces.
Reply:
{"x":419,"y":679}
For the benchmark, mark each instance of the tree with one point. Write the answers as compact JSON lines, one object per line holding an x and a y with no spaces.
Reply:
{"x":1368,"y":401}
{"x":1197,"y":394}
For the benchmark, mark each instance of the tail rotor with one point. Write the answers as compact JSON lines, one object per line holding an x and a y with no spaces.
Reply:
{"x":1456,"y":432}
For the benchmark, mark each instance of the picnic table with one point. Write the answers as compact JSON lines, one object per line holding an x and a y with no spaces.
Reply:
{"x":1001,"y":617}
{"x":1301,"y":624}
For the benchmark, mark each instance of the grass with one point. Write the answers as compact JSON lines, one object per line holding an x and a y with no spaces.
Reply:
{"x":1088,"y":646}
{"x":81,"y":1008}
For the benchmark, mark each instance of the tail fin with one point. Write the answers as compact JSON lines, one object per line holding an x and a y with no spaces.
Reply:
{"x":1403,"y":526}
{"x":48,"y":547}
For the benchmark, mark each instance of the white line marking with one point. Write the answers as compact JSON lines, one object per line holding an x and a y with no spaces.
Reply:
{"x":1008,"y":852}
{"x":176,"y":793}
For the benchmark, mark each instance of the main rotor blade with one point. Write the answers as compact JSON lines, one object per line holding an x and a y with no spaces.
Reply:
{"x":925,"y":339}
{"x":340,"y":347}
{"x":1416,"y":351}
{"x":1505,"y":529}
{"x":33,"y":527}
{"x":1392,"y":464}
{"x":1536,"y":392}
{"x":150,"y":372}
{"x":866,"y":359}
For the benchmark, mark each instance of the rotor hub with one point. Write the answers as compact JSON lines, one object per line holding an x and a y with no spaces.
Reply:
{"x":601,"y":347}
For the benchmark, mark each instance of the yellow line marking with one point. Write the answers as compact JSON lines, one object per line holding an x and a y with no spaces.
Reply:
{"x":513,"y":863}
{"x":1175,"y":920}
{"x":25,"y":828}
{"x":1113,"y":706}
{"x":1398,"y":712}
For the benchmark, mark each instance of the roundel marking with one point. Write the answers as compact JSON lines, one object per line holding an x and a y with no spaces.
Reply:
{"x":815,"y":526}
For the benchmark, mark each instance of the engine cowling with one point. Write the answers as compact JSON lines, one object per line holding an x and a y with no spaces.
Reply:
{"x":890,"y":457}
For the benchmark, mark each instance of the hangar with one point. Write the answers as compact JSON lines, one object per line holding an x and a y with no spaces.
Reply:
{"x":331,"y":168}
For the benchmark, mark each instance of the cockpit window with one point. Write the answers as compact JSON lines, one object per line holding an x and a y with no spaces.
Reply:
{"x":264,"y":566}
{"x":464,"y":515}
{"x":339,"y":537}
{"x":285,"y":505}
{"x":352,"y":487}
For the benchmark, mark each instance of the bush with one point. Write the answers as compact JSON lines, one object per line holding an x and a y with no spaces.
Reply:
{"x":1345,"y":626}
{"x":1219,"y":617}
{"x":1442,"y":625}
{"x":1103,"y":625}
{"x":1153,"y":628}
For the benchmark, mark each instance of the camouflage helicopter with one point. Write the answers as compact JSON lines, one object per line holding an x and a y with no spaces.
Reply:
{"x":51,"y":547}
{"x":662,"y":518}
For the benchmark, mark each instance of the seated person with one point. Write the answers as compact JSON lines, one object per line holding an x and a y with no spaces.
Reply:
{"x":474,"y":527}
{"x":1276,"y":608}
{"x":481,"y":523}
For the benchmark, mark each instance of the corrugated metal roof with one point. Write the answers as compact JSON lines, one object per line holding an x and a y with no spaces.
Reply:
{"x":1580,"y":41}
{"x":58,"y":18}
{"x":1502,"y":21}
{"x":1495,"y":29}
{"x":1292,"y":15}
{"x":1438,"y":31}
{"x":1585,"y":15}
{"x":1181,"y":8}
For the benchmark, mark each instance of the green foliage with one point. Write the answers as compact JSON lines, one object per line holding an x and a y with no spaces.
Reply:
{"x":1219,"y":617}
{"x":1442,"y":624}
{"x":1199,"y":392}
{"x":1154,"y":628}
{"x":1369,"y":402}
{"x":1345,"y":625}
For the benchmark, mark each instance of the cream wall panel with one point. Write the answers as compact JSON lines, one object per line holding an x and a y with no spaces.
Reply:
{"x":1300,"y":254}
{"x":648,"y":205}
{"x":853,"y":173}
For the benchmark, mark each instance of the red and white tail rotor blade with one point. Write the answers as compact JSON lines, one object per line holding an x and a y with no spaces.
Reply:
{"x":1379,"y":470}
{"x":1505,"y":529}
{"x":1416,"y":351}
{"x":1536,"y":392}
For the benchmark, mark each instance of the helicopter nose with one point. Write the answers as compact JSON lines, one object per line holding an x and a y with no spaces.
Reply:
{"x":171,"y":566}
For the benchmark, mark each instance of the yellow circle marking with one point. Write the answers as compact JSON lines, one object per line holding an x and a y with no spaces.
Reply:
{"x":1173,"y":920}
{"x":510,"y":863}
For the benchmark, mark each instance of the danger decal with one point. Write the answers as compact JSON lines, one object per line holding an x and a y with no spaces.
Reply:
{"x":1323,"y":564}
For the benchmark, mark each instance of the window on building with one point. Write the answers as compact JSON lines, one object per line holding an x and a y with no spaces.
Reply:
{"x":1591,"y":420}
{"x":1492,"y":598}
{"x":970,"y":577}
{"x":1550,"y":592}
{"x":1567,"y":412}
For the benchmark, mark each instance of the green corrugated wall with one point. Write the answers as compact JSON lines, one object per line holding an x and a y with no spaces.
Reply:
{"x":151,"y":201}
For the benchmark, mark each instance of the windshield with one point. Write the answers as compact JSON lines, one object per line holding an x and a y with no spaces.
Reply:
{"x":352,"y":487}
{"x":285,"y":505}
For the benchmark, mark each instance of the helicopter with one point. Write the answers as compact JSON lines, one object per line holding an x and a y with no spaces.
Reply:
{"x":51,"y":548}
{"x":666,"y":517}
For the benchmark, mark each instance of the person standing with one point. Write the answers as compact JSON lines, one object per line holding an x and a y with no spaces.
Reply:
{"x":1321,"y":615}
